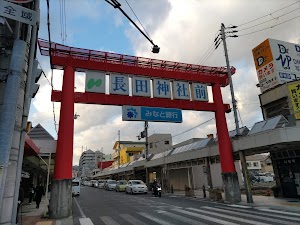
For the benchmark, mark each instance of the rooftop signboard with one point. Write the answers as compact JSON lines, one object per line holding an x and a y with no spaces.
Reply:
{"x":276,"y":62}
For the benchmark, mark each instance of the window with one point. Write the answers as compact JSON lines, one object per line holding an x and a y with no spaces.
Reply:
{"x":151,"y":145}
{"x":255,"y":164}
{"x":167,"y":142}
{"x":130,"y":154}
{"x":248,"y":164}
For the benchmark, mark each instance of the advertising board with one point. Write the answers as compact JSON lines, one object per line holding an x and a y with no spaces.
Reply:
{"x":277,"y":62}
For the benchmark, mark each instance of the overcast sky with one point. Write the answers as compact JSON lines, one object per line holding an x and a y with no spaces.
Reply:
{"x":184,"y":30}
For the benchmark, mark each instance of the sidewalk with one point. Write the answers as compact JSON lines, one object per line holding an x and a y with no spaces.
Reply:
{"x":259,"y":201}
{"x":30,"y":215}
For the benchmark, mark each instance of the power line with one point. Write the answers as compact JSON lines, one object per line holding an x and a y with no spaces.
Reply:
{"x":268,"y":27}
{"x":268,"y":14}
{"x":172,"y":136}
{"x":138,"y":19}
{"x":276,"y":18}
{"x":50,"y":50}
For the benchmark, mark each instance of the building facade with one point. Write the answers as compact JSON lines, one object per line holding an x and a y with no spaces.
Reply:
{"x":88,"y":162}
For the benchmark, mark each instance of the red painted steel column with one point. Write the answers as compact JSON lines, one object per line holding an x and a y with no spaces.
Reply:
{"x":225,"y":147}
{"x":64,"y":150}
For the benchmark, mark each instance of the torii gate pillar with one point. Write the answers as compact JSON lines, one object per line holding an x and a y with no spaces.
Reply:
{"x":230,"y":179}
{"x":61,"y":192}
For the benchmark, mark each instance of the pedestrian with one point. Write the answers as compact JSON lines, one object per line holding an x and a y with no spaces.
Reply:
{"x":30,"y":193}
{"x":20,"y":201}
{"x":39,"y":192}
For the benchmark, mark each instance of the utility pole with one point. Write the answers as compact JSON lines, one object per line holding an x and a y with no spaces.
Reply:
{"x":119,"y":149}
{"x":146,"y":138}
{"x":101,"y":159}
{"x":234,"y":106}
{"x":230,"y":80}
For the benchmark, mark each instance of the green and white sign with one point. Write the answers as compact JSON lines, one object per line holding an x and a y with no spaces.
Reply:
{"x":95,"y":81}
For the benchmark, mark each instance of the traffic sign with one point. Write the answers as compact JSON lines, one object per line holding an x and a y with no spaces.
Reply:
{"x":143,"y":113}
{"x":16,"y":12}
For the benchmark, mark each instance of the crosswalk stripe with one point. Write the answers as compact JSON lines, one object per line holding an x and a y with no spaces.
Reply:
{"x":85,"y":221}
{"x":157,"y":220}
{"x":132,"y":219}
{"x":228,"y":217}
{"x":215,"y":220}
{"x":267,"y":214}
{"x":251,"y":216}
{"x":108,"y":221}
{"x":181,"y":218}
{"x":240,"y":206}
{"x":277,"y":211}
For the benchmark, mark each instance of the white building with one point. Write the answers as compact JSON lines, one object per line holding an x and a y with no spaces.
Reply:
{"x":88,"y":162}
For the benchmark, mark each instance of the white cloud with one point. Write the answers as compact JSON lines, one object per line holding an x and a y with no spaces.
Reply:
{"x":184,"y":30}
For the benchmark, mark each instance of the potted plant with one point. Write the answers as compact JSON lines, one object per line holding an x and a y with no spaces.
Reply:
{"x":188,"y":191}
{"x":276,"y":190}
{"x":215,"y":194}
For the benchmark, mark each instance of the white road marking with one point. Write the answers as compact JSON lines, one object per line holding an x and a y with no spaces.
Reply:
{"x":228,"y":217}
{"x":85,"y":221}
{"x":181,"y":218}
{"x":132,"y":219}
{"x":267,"y":214}
{"x":80,"y":210}
{"x":108,"y":221}
{"x":215,"y":220}
{"x":277,"y":211}
{"x":239,"y":206}
{"x":251,"y":216}
{"x":157,"y":220}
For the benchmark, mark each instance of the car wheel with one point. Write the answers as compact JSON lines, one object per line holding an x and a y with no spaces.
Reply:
{"x":126,"y":191}
{"x":131,"y":191}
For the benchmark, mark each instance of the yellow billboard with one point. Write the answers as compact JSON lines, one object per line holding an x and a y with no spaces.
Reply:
{"x":294,"y":90}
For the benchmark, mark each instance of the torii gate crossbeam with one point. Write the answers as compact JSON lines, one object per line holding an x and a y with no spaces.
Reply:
{"x":75,"y":59}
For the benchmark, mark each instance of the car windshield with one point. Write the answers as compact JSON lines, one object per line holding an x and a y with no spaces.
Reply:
{"x":112,"y":182}
{"x":75,"y":184}
{"x":137,"y":182}
{"x":122,"y":182}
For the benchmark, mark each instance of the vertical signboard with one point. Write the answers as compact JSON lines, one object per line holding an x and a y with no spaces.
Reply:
{"x":276,"y":62}
{"x":141,"y":86}
{"x":95,"y":81}
{"x":119,"y":84}
{"x":161,"y":88}
{"x":294,"y":90}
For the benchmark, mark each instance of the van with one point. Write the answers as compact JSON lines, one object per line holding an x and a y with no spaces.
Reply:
{"x":75,"y":187}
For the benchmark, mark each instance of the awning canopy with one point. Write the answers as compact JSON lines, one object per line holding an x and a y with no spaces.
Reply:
{"x":30,"y":148}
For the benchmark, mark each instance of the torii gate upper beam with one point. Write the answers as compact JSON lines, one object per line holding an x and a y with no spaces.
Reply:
{"x":84,"y":59}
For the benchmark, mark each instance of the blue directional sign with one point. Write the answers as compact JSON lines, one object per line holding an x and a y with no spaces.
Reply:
{"x":143,"y":113}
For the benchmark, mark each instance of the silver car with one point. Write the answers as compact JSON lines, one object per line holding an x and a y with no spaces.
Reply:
{"x":111,"y":185}
{"x":136,"y":186}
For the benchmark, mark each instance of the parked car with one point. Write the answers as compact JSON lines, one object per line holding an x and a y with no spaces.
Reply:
{"x":136,"y":186}
{"x":121,"y":185}
{"x":93,"y":183}
{"x":110,"y":185}
{"x":264,"y":177}
{"x":101,"y":183}
{"x":75,"y":187}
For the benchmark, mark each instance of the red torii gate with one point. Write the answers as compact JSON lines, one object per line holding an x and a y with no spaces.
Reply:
{"x":72,"y":59}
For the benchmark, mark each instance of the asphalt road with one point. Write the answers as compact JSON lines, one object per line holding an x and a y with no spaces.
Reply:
{"x":98,"y":206}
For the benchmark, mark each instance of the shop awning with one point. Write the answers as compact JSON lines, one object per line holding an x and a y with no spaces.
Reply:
{"x":30,"y":148}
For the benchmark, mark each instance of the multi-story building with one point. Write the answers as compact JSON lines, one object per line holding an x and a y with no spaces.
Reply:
{"x":124,"y":150}
{"x":159,"y":143}
{"x":88,"y":162}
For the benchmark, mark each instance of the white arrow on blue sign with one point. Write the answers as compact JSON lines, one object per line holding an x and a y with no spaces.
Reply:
{"x":143,"y":113}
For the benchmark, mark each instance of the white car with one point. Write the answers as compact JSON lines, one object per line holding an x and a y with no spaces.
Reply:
{"x":136,"y":186}
{"x":101,"y":183}
{"x":111,"y":185}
